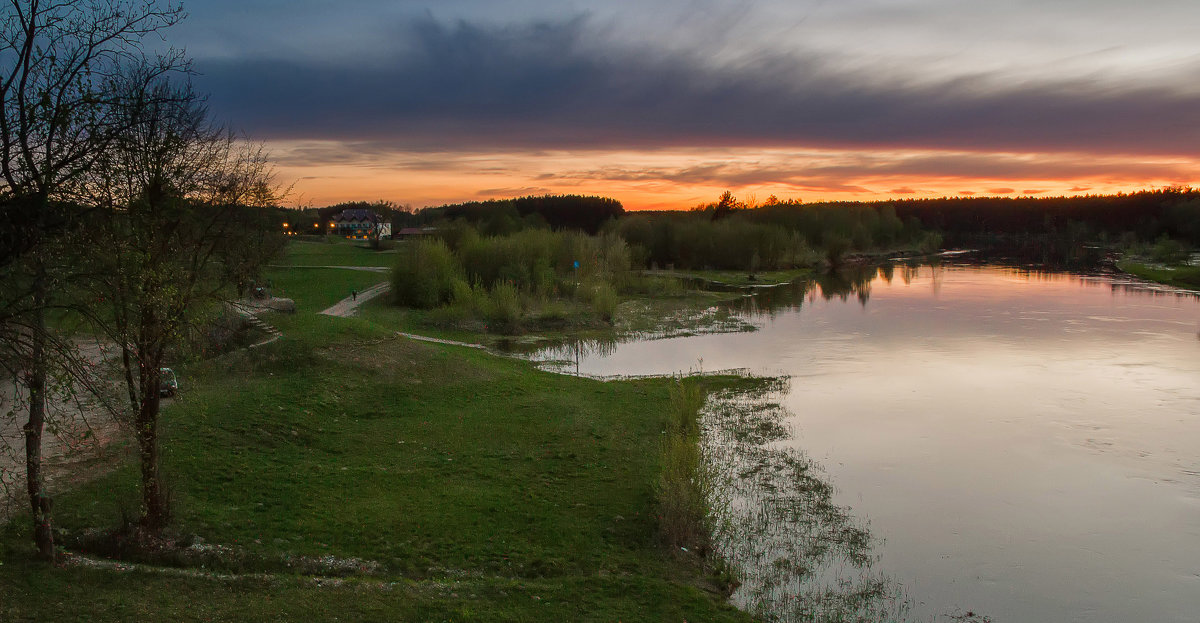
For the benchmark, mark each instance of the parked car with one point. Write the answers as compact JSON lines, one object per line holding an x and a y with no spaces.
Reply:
{"x":168,"y":384}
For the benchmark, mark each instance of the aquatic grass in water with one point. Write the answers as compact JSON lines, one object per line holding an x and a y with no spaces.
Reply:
{"x":798,"y":555}
{"x":684,"y":482}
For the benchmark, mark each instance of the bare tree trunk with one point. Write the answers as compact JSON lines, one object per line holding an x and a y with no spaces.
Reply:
{"x":154,"y":504}
{"x":35,"y":382}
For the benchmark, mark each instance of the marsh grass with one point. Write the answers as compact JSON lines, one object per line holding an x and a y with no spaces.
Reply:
{"x":684,"y":484}
{"x":798,"y":555}
{"x":1180,"y":276}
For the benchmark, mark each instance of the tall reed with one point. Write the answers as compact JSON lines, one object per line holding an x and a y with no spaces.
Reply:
{"x":684,"y":483}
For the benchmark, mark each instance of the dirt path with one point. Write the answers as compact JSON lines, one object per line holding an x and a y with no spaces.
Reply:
{"x":370,"y":269}
{"x":349,"y":305}
{"x":79,"y":424}
{"x":438,"y":340}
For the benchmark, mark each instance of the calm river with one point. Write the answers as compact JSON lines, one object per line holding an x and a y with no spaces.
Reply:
{"x":1022,"y":447}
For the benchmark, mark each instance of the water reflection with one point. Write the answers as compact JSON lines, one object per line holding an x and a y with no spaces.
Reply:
{"x":758,"y":304}
{"x":565,"y":356}
{"x":1023,"y":442}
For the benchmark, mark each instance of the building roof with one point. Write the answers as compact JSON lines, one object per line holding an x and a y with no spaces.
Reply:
{"x":357,"y":214}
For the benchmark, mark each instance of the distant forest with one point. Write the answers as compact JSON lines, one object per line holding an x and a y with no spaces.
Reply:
{"x":1174,"y":212}
{"x":1149,"y":214}
{"x":729,"y":233}
{"x":502,"y":216}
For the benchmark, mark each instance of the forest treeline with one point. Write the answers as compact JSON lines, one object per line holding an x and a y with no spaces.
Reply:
{"x":725,"y":235}
{"x":505,"y":216}
{"x":730,"y":234}
{"x":1148,"y":214}
{"x":783,"y":235}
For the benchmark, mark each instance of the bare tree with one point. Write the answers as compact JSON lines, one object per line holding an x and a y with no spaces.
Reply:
{"x":60,"y":62}
{"x":184,"y":219}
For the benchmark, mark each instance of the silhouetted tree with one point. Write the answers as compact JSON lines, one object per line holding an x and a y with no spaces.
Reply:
{"x":180,"y":194}
{"x":59,"y":64}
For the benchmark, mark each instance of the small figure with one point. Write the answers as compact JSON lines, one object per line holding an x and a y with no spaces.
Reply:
{"x":354,"y":295}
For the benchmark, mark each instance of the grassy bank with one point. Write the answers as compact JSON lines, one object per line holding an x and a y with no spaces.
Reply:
{"x":438,"y":483}
{"x":334,"y":252}
{"x":314,"y":289}
{"x":738,"y":278}
{"x":1179,"y":276}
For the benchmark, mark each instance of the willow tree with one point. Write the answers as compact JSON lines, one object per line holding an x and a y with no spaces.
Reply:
{"x":185,"y":210}
{"x":59,"y":62}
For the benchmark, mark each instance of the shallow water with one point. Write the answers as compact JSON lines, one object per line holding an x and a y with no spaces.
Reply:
{"x":1022,"y":445}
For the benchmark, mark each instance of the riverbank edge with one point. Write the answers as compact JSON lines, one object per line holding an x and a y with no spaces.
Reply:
{"x":1184,"y":278}
{"x":36,"y":578}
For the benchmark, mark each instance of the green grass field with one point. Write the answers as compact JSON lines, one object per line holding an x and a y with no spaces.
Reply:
{"x":315,"y":289}
{"x":335,"y":252}
{"x":472,"y":487}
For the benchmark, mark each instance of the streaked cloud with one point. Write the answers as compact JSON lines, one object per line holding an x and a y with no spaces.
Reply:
{"x":852,"y":99}
{"x":553,"y":85}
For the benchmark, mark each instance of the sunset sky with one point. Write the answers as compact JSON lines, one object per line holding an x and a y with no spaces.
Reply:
{"x":666,"y":104}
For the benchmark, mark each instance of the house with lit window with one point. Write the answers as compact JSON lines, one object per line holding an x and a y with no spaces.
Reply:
{"x":356,"y":223}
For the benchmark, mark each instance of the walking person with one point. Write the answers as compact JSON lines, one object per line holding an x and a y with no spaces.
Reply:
{"x":354,"y":295}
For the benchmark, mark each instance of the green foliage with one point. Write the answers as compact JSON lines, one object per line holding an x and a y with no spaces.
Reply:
{"x":505,"y":310}
{"x":930,"y":242}
{"x":603,"y":299}
{"x":835,"y":249}
{"x":1169,"y":251}
{"x":425,"y":278}
{"x":518,"y":279}
{"x":731,"y":236}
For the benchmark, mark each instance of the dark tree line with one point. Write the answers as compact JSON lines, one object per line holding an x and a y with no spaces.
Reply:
{"x":730,"y":235}
{"x":505,"y":216}
{"x":1149,"y":214}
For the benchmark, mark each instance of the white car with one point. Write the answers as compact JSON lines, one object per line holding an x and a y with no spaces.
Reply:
{"x":167,"y":383}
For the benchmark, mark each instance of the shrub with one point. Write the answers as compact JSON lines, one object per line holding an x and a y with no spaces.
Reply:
{"x":835,"y":249}
{"x":425,"y":276}
{"x":603,"y":299}
{"x":504,"y":314}
{"x":931,"y":242}
{"x":1168,"y":251}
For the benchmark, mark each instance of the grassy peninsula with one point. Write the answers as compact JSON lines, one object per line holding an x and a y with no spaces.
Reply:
{"x":342,"y":472}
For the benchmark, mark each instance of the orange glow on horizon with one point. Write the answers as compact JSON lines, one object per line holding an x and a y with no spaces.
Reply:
{"x":683,"y":178}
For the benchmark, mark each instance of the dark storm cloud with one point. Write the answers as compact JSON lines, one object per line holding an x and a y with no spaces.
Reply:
{"x":562,"y":85}
{"x":856,"y":170}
